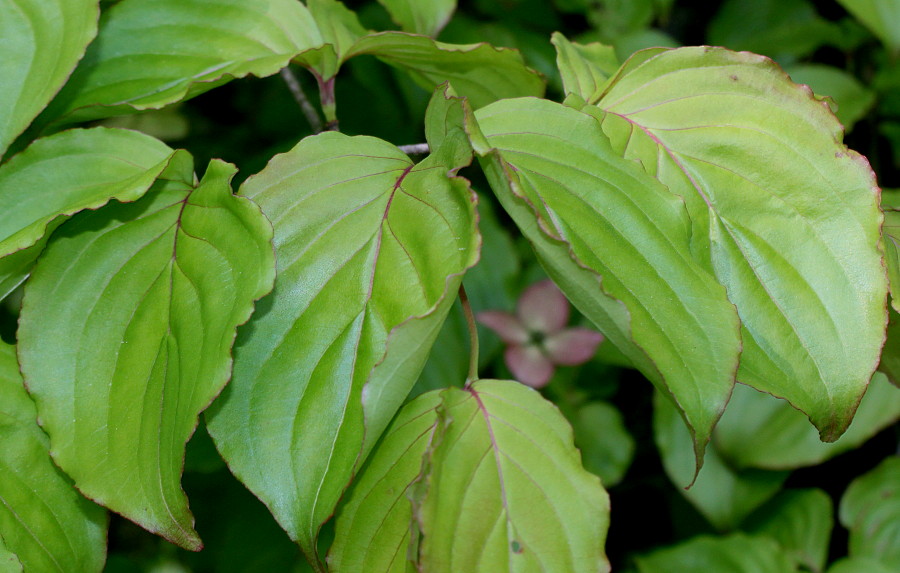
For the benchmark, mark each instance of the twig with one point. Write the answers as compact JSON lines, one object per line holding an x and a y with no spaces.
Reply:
{"x":312,"y":116}
{"x":415,"y":149}
{"x":473,"y":336}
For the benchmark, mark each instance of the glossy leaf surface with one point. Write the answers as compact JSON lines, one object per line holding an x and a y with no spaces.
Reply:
{"x":737,"y":553}
{"x":142,"y":300}
{"x":478,"y":479}
{"x":479,"y":72}
{"x":427,"y":18}
{"x":156,"y":53}
{"x":800,"y":521}
{"x":760,"y":431}
{"x":41,"y":41}
{"x":784,"y":214}
{"x":45,"y":524}
{"x":870,"y":509}
{"x":722,"y":494}
{"x":371,"y":249}
{"x":617,"y":243}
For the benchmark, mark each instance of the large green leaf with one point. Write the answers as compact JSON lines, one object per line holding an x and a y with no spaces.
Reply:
{"x":760,"y":431}
{"x":785,"y":215}
{"x":41,"y":41}
{"x":870,"y":509}
{"x":737,"y":553}
{"x":141,"y":301}
{"x":44,"y":521}
{"x":800,"y":521}
{"x":65,"y":173}
{"x":484,"y":478}
{"x":880,"y":16}
{"x":418,"y":17}
{"x":722,"y":494}
{"x":151,"y":54}
{"x":371,"y":249}
{"x":479,"y":72}
{"x":617,"y":243}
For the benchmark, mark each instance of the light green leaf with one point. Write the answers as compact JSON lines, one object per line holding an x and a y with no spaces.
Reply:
{"x":758,"y":430}
{"x":371,"y":249}
{"x":785,"y":215}
{"x":479,"y":72}
{"x":723,"y":495}
{"x":45,"y":524}
{"x":800,"y":521}
{"x":374,"y":528}
{"x":617,"y":243}
{"x":852,"y":99}
{"x":427,"y":18}
{"x":880,"y":16}
{"x":870,"y":509}
{"x":606,"y":446}
{"x":584,"y":67}
{"x":41,"y":42}
{"x":737,"y":553}
{"x":142,"y":301}
{"x":339,"y":29}
{"x":152,"y":54}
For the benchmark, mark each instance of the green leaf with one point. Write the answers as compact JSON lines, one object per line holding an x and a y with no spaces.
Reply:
{"x":870,"y":509}
{"x":859,"y":565}
{"x":723,"y":495}
{"x":758,"y":430}
{"x":853,"y":100}
{"x":584,"y":67}
{"x":479,"y":72}
{"x":625,"y":263}
{"x":800,"y":521}
{"x":427,"y":18}
{"x":785,"y":215}
{"x":478,"y":479}
{"x":45,"y":524}
{"x":890,"y":355}
{"x":339,"y":29}
{"x":371,"y":249}
{"x":737,"y":553}
{"x":880,"y":16}
{"x":606,"y":446}
{"x":41,"y":42}
{"x":152,"y":54}
{"x":142,"y":301}
{"x":891,"y":231}
{"x":782,"y":29}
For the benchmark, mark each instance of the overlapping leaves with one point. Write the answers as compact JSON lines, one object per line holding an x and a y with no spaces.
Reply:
{"x":371,"y":249}
{"x":141,"y":301}
{"x":478,"y":479}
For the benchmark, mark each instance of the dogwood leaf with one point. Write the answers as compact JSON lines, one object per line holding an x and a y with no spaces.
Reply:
{"x":41,"y":42}
{"x":156,"y":53}
{"x":427,"y":18}
{"x":784,"y":214}
{"x":617,"y":243}
{"x":141,"y":300}
{"x":484,"y":478}
{"x":44,"y":522}
{"x":736,"y":553}
{"x":371,"y":249}
{"x":583,"y":67}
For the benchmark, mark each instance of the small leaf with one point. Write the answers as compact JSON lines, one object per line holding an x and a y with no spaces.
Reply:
{"x":880,"y":16}
{"x":371,"y":249}
{"x":426,"y":18}
{"x":45,"y":524}
{"x":800,"y":521}
{"x":784,"y":214}
{"x":870,"y":509}
{"x":758,"y":430}
{"x":723,"y":495}
{"x":41,"y":42}
{"x":141,"y":300}
{"x":584,"y":67}
{"x":478,"y":479}
{"x":156,"y":53}
{"x":737,"y":553}
{"x":606,"y":446}
{"x":618,"y":244}
{"x":479,"y":72}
